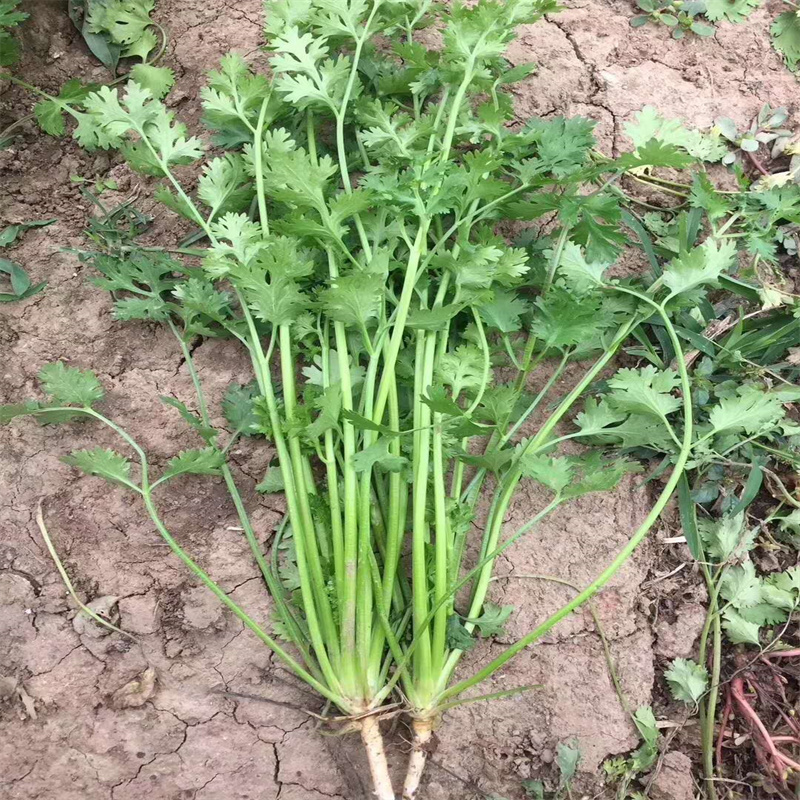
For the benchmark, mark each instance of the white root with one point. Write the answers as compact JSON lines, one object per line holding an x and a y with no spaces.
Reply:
{"x":423,"y":731}
{"x":378,"y":766}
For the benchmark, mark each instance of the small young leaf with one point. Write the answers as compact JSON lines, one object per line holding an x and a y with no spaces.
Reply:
{"x":567,"y":758}
{"x":272,"y":482}
{"x":458,"y":637}
{"x":492,"y":620}
{"x":687,"y":680}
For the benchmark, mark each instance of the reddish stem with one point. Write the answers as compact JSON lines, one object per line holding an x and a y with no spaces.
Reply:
{"x":783,"y":654}
{"x":780,"y":760}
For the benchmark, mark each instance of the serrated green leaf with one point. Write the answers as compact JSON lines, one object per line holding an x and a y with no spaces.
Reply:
{"x":158,"y":80}
{"x":726,"y":538}
{"x":492,"y":620}
{"x":106,"y":464}
{"x":738,"y":629}
{"x":378,"y":455}
{"x":272,"y":482}
{"x":504,"y":312}
{"x":195,"y":462}
{"x":740,"y":586}
{"x":458,"y":637}
{"x":687,"y":680}
{"x":702,"y":265}
{"x":238,"y":406}
{"x":69,"y":385}
{"x":353,"y":299}
{"x":750,"y":410}
{"x":567,"y":758}
{"x":785,"y":32}
{"x":556,"y":473}
{"x":580,"y":275}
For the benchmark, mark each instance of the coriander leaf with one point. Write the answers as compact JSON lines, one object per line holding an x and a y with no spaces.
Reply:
{"x":598,"y":473}
{"x":597,"y":416}
{"x":704,"y":195}
{"x":462,"y":369}
{"x":726,"y":537}
{"x":458,"y":637}
{"x":567,"y":759}
{"x":238,"y":408}
{"x":650,"y":125}
{"x":556,"y":473}
{"x":378,"y":455}
{"x":104,"y":463}
{"x":580,"y":275}
{"x":563,"y":319}
{"x":196,"y":462}
{"x":644,"y":391}
{"x":654,"y":153}
{"x":735,"y":11}
{"x":492,"y":620}
{"x":739,"y":630}
{"x":133,"y":308}
{"x":750,"y":410}
{"x":329,"y":405}
{"x":353,"y":299}
{"x":504,"y":311}
{"x":158,"y":80}
{"x":272,"y":482}
{"x":687,"y":680}
{"x":70,"y":386}
{"x":701,"y":265}
{"x":785,"y":33}
{"x":50,"y":113}
{"x":740,"y":586}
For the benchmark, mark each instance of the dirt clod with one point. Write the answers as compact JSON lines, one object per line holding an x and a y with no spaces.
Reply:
{"x":137,"y":692}
{"x":674,"y":780}
{"x":677,"y":639}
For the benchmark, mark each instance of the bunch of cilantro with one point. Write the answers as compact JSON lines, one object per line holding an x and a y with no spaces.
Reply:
{"x":349,"y":232}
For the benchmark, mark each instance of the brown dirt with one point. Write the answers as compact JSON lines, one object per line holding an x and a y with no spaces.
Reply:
{"x":189,"y":740}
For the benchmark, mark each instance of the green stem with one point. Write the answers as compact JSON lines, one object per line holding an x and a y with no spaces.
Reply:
{"x":610,"y":571}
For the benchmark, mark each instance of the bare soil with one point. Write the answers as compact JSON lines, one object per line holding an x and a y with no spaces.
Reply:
{"x":72,"y":738}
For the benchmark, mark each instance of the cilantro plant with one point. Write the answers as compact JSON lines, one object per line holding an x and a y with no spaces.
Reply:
{"x":348,"y":235}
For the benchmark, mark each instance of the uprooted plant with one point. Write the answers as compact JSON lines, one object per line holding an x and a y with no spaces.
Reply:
{"x":351,"y":247}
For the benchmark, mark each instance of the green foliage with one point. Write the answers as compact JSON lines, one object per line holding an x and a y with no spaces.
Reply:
{"x":70,"y":386}
{"x":785,"y":32}
{"x":679,"y":16}
{"x":102,"y":462}
{"x":687,"y":680}
{"x":115,"y":29}
{"x":10,"y":18}
{"x":346,"y":236}
{"x":194,"y":462}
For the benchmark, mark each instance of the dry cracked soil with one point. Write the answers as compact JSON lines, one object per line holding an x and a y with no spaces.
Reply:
{"x":222,"y":721}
